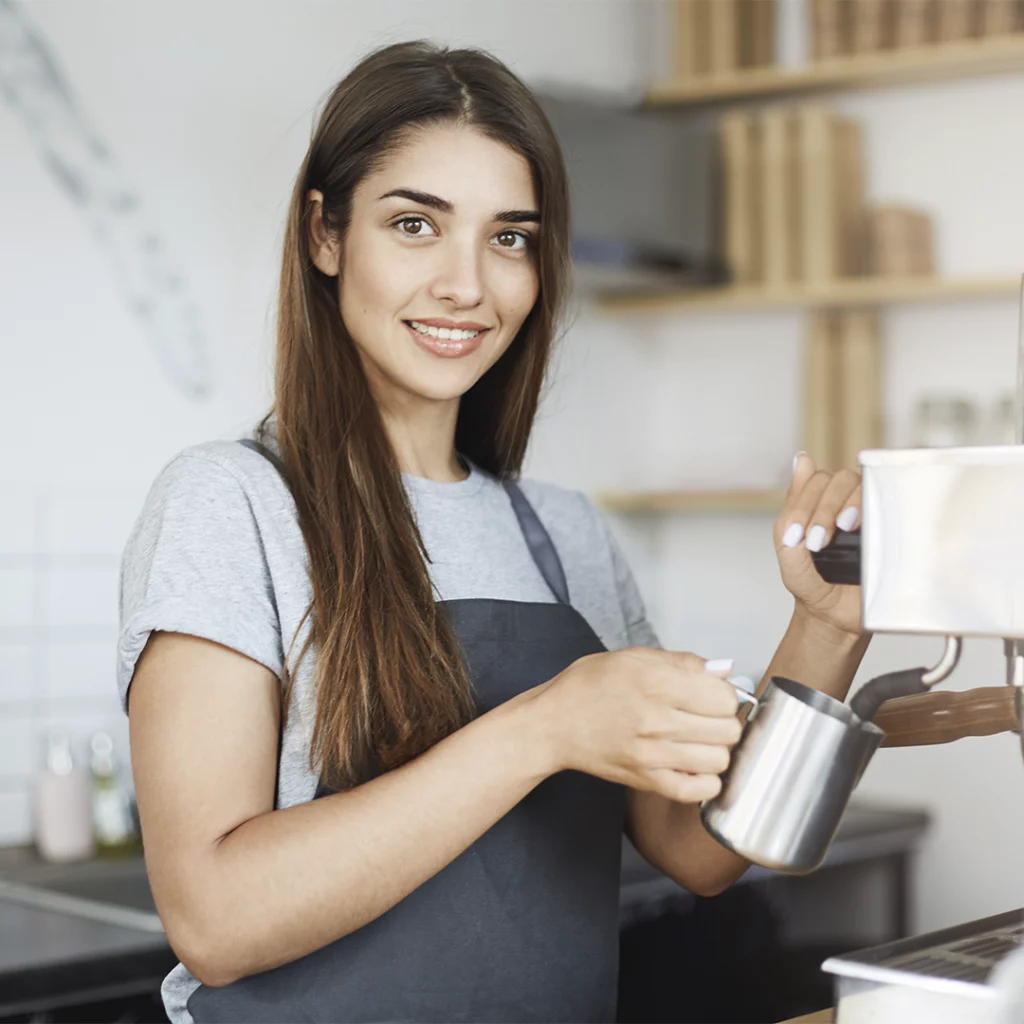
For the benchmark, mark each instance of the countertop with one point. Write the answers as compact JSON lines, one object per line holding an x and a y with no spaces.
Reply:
{"x":47,"y":953}
{"x":865,"y":832}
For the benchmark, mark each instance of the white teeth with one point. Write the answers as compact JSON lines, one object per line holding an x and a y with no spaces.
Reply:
{"x":444,"y":333}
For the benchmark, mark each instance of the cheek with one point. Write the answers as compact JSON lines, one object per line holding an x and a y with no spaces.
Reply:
{"x":516,"y":293}
{"x":372,"y":284}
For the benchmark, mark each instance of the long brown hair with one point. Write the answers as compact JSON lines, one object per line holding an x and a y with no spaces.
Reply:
{"x":390,"y":681}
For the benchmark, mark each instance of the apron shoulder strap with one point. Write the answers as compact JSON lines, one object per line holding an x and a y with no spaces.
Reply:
{"x":539,"y":542}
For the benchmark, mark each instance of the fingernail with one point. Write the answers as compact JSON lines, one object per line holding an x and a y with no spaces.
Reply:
{"x":743,"y":683}
{"x":719,"y":666}
{"x":816,"y":538}
{"x":847,"y":519}
{"x":793,"y":535}
{"x":796,"y":458}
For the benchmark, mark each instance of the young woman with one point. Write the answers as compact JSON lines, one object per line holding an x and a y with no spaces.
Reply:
{"x":391,"y":711}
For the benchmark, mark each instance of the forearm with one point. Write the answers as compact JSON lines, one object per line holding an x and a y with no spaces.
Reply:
{"x":290,"y":881}
{"x":817,"y":655}
{"x":671,"y":835}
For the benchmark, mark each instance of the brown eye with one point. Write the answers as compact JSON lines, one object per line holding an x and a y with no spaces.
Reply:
{"x":514,"y":236}
{"x":418,"y":231}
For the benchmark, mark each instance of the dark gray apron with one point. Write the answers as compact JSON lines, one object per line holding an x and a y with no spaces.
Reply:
{"x":523,"y":925}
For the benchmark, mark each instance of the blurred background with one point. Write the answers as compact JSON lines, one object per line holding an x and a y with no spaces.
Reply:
{"x":798,"y":225}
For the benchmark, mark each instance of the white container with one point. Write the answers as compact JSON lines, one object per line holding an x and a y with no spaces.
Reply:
{"x":62,"y":805}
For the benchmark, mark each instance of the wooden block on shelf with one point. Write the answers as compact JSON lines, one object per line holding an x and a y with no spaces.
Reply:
{"x":899,"y":242}
{"x":955,"y":19}
{"x":820,"y":427}
{"x":740,"y":220}
{"x":779,"y":184}
{"x":860,"y":386}
{"x":871,"y":25}
{"x":914,"y":22}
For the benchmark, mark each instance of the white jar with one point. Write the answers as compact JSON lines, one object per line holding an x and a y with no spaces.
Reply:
{"x":62,"y":805}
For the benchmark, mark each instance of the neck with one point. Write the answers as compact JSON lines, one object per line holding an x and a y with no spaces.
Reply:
{"x":424,"y":443}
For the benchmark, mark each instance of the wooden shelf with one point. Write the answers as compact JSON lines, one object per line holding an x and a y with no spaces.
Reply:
{"x":938,"y":61}
{"x":841,"y":293}
{"x":693,"y":502}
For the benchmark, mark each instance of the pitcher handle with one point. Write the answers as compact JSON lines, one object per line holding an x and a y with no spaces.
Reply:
{"x":740,"y":684}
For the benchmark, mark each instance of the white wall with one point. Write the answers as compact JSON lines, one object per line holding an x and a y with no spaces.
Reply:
{"x":208,"y":108}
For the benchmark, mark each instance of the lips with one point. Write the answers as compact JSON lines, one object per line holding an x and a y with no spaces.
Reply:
{"x":446,"y":348}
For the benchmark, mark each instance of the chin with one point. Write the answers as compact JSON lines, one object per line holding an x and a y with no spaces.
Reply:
{"x":445,"y":386}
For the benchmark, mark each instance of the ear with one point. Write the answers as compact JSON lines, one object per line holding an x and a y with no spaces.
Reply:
{"x":324,"y":248}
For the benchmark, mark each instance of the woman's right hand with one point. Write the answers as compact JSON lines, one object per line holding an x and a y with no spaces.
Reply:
{"x":646,"y":718}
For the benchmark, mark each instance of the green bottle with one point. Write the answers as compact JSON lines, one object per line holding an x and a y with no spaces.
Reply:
{"x":113,"y":826}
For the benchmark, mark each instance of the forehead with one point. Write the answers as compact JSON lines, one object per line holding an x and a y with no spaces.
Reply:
{"x":477,"y":174}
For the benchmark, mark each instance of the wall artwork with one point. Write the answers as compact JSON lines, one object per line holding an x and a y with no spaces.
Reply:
{"x":87,"y":172}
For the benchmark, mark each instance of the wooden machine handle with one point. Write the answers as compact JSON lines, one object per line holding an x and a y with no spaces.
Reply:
{"x":947,"y":715}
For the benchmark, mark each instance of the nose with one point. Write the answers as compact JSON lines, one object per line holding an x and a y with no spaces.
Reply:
{"x":459,"y":278}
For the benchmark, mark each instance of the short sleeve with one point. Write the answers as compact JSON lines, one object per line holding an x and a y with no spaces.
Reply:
{"x":639,"y":631}
{"x":195,"y":563}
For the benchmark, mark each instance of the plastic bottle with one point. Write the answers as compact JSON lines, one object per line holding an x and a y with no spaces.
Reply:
{"x":113,"y":827}
{"x":63,"y":820}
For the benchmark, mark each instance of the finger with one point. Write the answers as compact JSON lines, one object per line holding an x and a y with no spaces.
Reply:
{"x":696,"y":758}
{"x":703,"y":694}
{"x":684,"y":727}
{"x":821,"y":526}
{"x":803,"y":469}
{"x":695,"y":684}
{"x":683,"y":788}
{"x":791,"y":526}
{"x":849,"y":518}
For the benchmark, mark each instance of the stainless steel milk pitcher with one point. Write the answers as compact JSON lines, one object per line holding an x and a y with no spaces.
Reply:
{"x":801,"y":754}
{"x":792,"y":773}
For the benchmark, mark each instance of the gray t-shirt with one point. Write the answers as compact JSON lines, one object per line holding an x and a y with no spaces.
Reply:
{"x":217,"y":552}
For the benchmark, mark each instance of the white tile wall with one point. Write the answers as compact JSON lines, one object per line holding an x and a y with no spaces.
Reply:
{"x":17,"y":595}
{"x":15,"y":816}
{"x":59,"y":563}
{"x":16,"y":673}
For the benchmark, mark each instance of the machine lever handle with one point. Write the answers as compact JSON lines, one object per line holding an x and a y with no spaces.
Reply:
{"x":942,"y":716}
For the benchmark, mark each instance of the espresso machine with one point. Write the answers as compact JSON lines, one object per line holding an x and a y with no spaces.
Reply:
{"x":940,"y":553}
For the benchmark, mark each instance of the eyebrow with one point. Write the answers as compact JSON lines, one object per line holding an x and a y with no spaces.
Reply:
{"x":437,"y":203}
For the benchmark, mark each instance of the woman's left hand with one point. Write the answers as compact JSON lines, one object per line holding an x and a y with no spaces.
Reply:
{"x":817,"y":504}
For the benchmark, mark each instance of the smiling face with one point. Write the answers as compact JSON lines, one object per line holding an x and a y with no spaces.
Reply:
{"x":441,"y":239}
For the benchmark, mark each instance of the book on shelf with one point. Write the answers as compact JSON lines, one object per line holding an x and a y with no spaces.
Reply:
{"x":719,"y":36}
{"x":755,"y":33}
{"x":690,"y":50}
{"x":915,"y":22}
{"x":999,"y":17}
{"x":955,"y":19}
{"x":724,"y":36}
{"x":739,"y":206}
{"x":829,"y":28}
{"x":831,"y":195}
{"x":871,"y":25}
{"x":779,"y":236}
{"x":820,"y":427}
{"x":859,"y":379}
{"x":842,"y":407}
